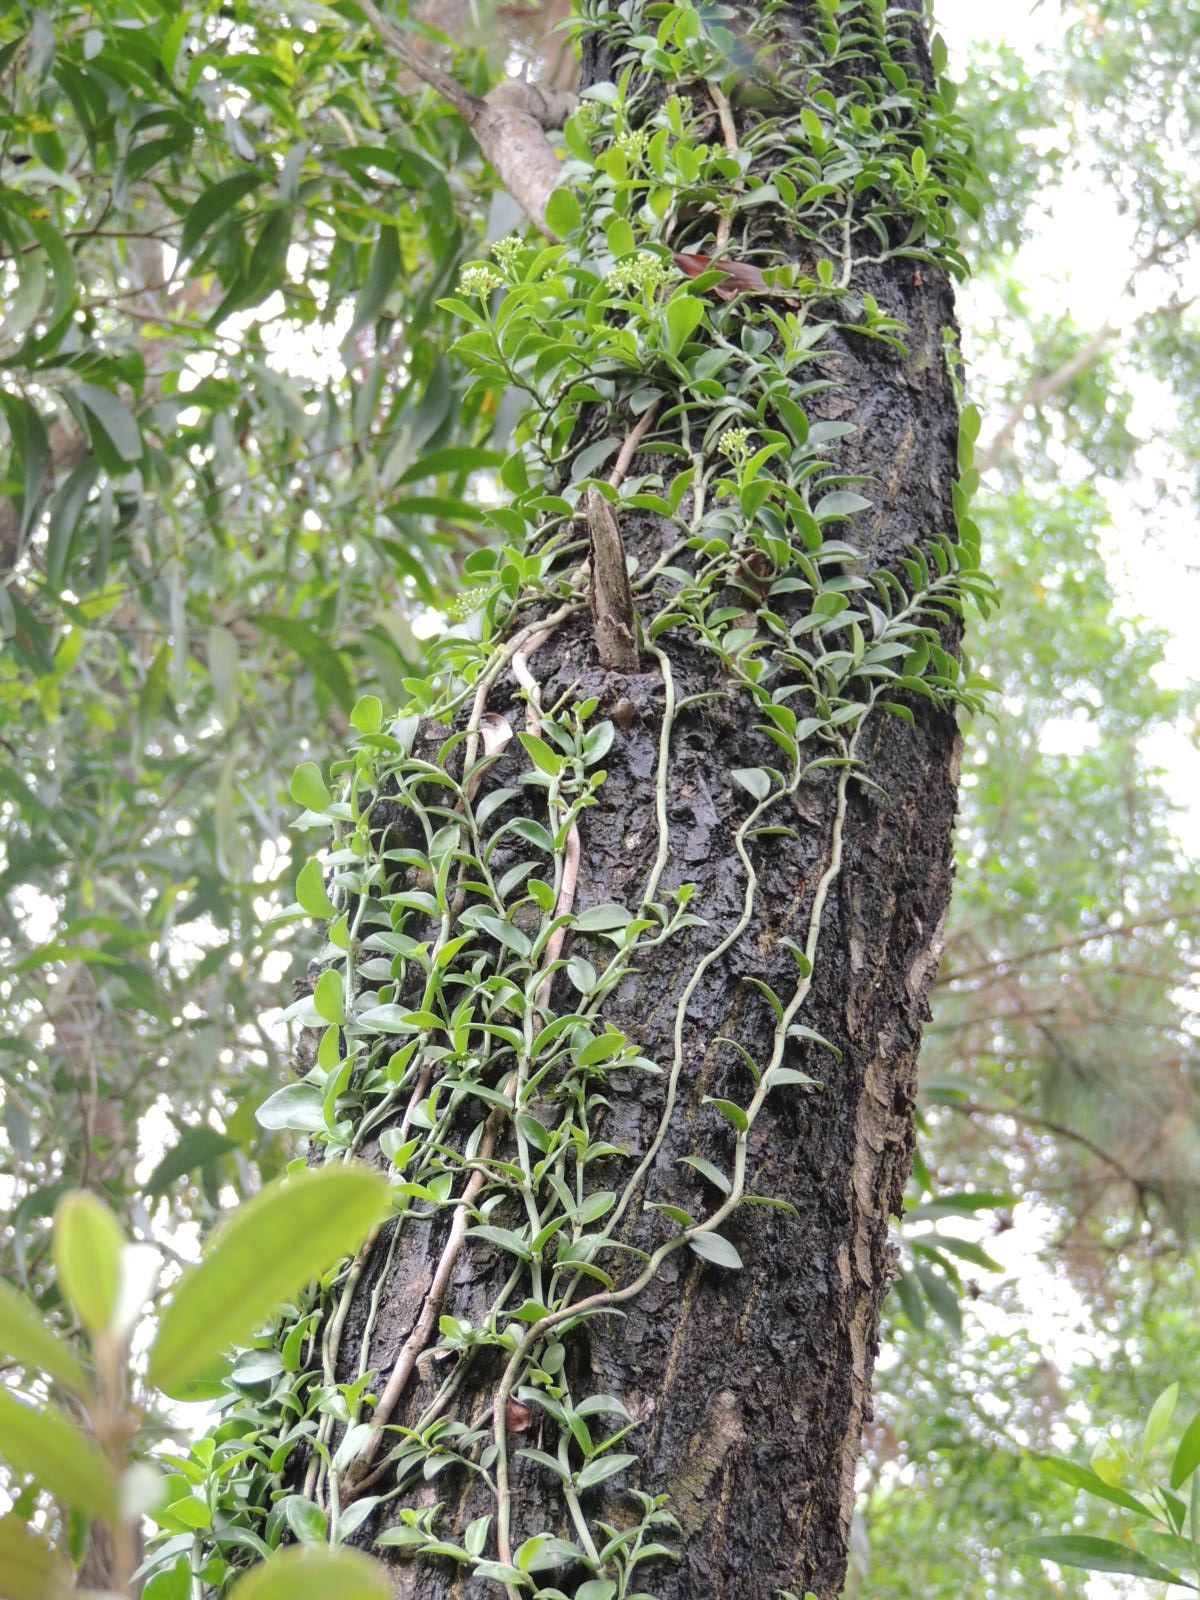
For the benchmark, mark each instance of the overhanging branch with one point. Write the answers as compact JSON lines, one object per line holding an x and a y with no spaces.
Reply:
{"x":510,"y":123}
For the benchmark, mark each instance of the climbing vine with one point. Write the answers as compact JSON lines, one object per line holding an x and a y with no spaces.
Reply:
{"x":729,"y":196}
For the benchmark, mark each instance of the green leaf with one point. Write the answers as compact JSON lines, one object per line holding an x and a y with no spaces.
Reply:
{"x":329,"y":994}
{"x":513,"y":938}
{"x":268,"y":259}
{"x":215,"y":205}
{"x":29,"y":1568}
{"x":455,"y":459}
{"x":755,"y":780}
{"x":308,"y":789}
{"x":306,"y":1520}
{"x":1097,"y":1555}
{"x":784,"y":1076}
{"x":597,"y":1589}
{"x":31,"y":447}
{"x":223,"y":659}
{"x":26,"y":1339}
{"x":684,"y":315}
{"x":941,"y":1297}
{"x":497,"y":1571}
{"x":66,"y":511}
{"x":563,"y":213}
{"x":311,"y":891}
{"x":716,"y":1248}
{"x":1159,"y":1419}
{"x":315,"y":652}
{"x":964,"y":1249}
{"x":301,"y":1574}
{"x":87,"y":1245}
{"x":705,"y":1168}
{"x":602,"y":1048}
{"x":838,"y":505}
{"x":603,"y":1468}
{"x":945,"y":1205}
{"x":475,"y":1537}
{"x":799,"y":1031}
{"x":732,"y":1112}
{"x":503,"y":1238}
{"x":1085,"y":1479}
{"x":540,"y":753}
{"x":595,"y":1205}
{"x":603,"y":918}
{"x":268,"y":1250}
{"x":114,"y":419}
{"x":65,"y":1462}
{"x":1187,"y":1457}
{"x":367,"y":715}
{"x":382,"y":274}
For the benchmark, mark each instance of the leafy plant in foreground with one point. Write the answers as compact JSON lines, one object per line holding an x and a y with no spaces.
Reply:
{"x":1161,"y":1530}
{"x":87,"y":1449}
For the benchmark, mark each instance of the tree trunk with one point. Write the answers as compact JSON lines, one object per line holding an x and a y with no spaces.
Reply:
{"x":747,"y":1389}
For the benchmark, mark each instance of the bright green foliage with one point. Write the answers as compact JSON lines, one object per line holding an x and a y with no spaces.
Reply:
{"x":1157,"y":1491}
{"x":590,"y":351}
{"x":235,"y":455}
{"x":415,"y":905}
{"x":192,"y":210}
{"x":268,"y":1253}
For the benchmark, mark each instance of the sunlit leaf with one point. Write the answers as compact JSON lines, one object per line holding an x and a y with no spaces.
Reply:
{"x":88,"y":1242}
{"x":270,"y":1248}
{"x":40,"y":1441}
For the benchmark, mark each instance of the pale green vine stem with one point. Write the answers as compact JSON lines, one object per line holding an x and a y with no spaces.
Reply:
{"x":729,"y":132}
{"x":407,"y":1359}
{"x":611,"y":1297}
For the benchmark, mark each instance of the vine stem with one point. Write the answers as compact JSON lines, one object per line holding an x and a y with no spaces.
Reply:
{"x":412,"y":1347}
{"x":526,"y":643}
{"x":519,"y":641}
{"x":630,"y":448}
{"x":611,"y":1297}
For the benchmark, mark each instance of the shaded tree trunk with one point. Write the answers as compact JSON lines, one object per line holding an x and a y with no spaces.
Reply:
{"x":747,"y":1390}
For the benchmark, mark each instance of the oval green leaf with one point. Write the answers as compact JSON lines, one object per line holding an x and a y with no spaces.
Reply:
{"x":268,"y":1251}
{"x":29,"y":1569}
{"x":312,"y":893}
{"x":716,"y":1248}
{"x":300,"y":1574}
{"x":563,"y":214}
{"x":64,"y":1461}
{"x":307,"y":787}
{"x":87,"y":1249}
{"x":30,"y":1342}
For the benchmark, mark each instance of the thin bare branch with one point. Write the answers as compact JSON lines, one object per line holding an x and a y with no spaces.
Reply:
{"x":1041,"y":389}
{"x":1125,"y":930}
{"x":510,"y":123}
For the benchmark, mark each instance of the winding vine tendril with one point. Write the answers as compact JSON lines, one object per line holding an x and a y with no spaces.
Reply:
{"x":713,"y":256}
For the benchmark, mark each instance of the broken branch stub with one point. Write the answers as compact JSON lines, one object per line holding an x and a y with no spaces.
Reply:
{"x":609,"y":595}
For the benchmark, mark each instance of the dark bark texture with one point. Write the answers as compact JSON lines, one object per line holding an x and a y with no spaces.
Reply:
{"x":750,"y":1389}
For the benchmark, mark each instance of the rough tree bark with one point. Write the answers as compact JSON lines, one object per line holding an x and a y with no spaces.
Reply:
{"x":749,"y":1389}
